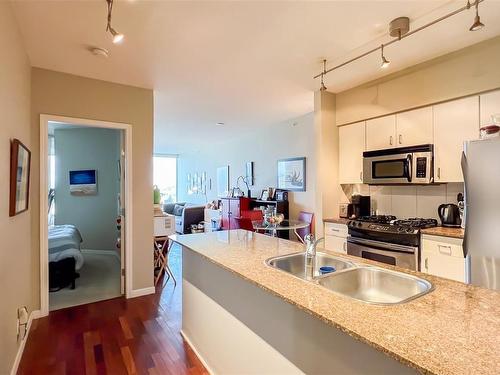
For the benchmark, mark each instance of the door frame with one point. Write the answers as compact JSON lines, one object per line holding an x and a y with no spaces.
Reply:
{"x":44,"y":245}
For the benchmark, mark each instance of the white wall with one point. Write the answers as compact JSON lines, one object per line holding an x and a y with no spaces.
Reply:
{"x":94,"y":215}
{"x":294,"y":138}
{"x":17,"y":253}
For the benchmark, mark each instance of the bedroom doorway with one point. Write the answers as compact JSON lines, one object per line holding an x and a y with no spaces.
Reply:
{"x":83,"y":231}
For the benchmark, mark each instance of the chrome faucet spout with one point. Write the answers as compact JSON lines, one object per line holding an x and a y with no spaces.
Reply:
{"x":311,"y":244}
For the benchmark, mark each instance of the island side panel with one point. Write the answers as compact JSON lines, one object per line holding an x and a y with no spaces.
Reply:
{"x":238,"y":327}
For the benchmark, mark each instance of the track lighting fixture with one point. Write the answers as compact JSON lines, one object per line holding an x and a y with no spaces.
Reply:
{"x":117,"y":37}
{"x":399,"y":28}
{"x":323,"y":87}
{"x":477,"y":25}
{"x":385,"y":62}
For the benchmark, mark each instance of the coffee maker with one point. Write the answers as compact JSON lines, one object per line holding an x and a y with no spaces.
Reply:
{"x":359,"y":206}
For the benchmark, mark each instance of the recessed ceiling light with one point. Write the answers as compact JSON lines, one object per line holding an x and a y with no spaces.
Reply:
{"x":98,"y":51}
{"x":219,"y":123}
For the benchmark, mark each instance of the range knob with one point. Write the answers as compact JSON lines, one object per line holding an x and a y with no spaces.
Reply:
{"x":401,"y":229}
{"x":409,"y":230}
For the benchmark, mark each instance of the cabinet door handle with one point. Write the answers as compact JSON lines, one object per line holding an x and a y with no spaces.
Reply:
{"x":390,"y":140}
{"x":361,"y":176}
{"x":400,"y":139}
{"x":439,"y":172}
{"x":344,"y":246}
{"x":334,"y":230}
{"x":426,"y":263}
{"x":444,"y":249}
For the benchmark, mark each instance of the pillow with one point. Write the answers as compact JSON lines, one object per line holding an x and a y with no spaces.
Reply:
{"x":178,"y":210}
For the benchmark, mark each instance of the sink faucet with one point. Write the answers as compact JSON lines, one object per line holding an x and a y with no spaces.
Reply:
{"x":311,"y":243}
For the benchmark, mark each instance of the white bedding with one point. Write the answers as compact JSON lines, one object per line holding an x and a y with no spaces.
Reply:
{"x":68,"y":253}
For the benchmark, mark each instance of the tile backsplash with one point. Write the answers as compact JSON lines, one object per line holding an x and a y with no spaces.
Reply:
{"x":406,"y":201}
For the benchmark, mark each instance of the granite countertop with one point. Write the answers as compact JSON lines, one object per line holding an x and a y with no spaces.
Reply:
{"x":455,"y":329}
{"x":444,"y":232}
{"x":338,"y":220}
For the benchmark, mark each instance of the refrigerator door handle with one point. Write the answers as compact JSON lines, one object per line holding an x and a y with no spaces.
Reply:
{"x":465,"y":174}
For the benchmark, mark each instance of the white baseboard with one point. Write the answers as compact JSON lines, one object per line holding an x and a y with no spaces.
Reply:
{"x":202,"y":360}
{"x":142,"y":292}
{"x":113,"y":253}
{"x":35,"y":314}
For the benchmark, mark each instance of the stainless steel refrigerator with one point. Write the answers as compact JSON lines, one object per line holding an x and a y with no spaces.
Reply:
{"x":481,"y":169}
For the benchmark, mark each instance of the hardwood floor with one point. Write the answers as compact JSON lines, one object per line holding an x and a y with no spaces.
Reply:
{"x":118,"y":336}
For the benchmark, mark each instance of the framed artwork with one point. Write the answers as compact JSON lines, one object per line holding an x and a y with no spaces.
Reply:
{"x":292,"y":174}
{"x":20,"y":159}
{"x":223,"y":181}
{"x":249,"y":173}
{"x":264,"y":196}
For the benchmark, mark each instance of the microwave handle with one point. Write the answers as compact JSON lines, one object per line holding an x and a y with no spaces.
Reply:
{"x":409,"y":167}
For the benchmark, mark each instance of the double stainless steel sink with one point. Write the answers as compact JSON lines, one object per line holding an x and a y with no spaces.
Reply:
{"x":364,"y":283}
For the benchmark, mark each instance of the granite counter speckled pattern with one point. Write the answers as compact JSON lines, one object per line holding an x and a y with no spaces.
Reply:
{"x":455,"y":329}
{"x":444,"y":232}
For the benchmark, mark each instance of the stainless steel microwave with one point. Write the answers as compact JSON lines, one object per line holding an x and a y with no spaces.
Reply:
{"x":404,"y":165}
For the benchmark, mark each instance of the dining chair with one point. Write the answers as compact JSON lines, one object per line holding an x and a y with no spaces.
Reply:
{"x":244,"y":223}
{"x":308,"y":217}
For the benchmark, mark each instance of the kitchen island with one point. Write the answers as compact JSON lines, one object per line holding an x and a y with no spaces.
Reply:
{"x":240,"y":315}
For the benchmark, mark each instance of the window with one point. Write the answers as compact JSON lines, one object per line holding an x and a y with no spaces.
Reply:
{"x":165,"y":177}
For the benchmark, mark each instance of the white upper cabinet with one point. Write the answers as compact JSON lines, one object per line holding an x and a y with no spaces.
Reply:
{"x":414,"y":127}
{"x":351,"y":147}
{"x":489,"y":105}
{"x":381,"y":133}
{"x":454,"y":122}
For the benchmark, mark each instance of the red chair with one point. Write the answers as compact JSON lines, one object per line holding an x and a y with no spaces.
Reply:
{"x":308,"y":217}
{"x":252,"y":214}
{"x":247,"y":216}
{"x":244,"y":223}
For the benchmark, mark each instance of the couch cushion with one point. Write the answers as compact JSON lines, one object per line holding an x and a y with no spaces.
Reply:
{"x":177,"y":211}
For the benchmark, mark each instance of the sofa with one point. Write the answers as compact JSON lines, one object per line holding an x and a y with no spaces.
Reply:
{"x":186,"y":214}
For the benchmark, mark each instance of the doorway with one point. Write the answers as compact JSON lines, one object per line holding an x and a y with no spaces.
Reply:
{"x":85,"y":185}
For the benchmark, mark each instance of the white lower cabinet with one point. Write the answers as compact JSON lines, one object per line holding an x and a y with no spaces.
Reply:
{"x":443,"y":257}
{"x":336,"y":237}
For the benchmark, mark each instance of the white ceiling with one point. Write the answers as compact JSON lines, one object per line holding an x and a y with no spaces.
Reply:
{"x":248,"y":64}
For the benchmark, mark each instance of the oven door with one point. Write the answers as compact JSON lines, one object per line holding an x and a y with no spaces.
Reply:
{"x":384,"y":252}
{"x":388,"y":169}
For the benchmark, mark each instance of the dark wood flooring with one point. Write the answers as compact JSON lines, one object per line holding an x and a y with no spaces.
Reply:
{"x":118,"y":336}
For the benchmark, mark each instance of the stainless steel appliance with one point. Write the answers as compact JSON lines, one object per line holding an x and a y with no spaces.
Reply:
{"x":387,"y":240}
{"x":404,"y":165}
{"x":482,"y":212}
{"x":449,"y":214}
{"x":360,"y":205}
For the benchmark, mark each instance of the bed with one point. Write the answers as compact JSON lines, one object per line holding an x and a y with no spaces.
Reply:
{"x":64,"y":242}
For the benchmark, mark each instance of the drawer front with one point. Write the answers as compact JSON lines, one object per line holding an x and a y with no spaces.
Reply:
{"x":443,"y":266}
{"x":334,"y":243}
{"x":334,"y":229}
{"x":444,"y":246}
{"x":164,"y":226}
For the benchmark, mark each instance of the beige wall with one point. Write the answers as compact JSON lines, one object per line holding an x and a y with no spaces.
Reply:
{"x":16,"y":262}
{"x":465,"y":72}
{"x":68,"y":95}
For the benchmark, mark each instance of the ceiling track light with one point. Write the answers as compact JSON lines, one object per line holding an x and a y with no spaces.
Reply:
{"x":385,"y":63}
{"x":399,"y":28}
{"x":323,"y":87}
{"x":477,"y":25}
{"x":117,"y":37}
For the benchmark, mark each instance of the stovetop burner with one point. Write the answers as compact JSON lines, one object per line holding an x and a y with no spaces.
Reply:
{"x":417,"y":222}
{"x":381,"y":219}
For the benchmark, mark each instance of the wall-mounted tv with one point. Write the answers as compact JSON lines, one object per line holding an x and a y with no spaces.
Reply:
{"x":83,"y":182}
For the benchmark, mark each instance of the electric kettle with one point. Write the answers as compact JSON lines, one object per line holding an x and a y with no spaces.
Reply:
{"x":449,"y":214}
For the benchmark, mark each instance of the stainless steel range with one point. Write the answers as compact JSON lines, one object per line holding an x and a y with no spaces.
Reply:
{"x":388,"y":240}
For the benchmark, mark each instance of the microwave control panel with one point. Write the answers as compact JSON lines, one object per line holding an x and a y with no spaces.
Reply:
{"x":421,"y":167}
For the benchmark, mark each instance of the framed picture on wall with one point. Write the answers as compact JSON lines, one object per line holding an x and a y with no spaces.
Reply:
{"x":20,"y":159}
{"x":292,"y":174}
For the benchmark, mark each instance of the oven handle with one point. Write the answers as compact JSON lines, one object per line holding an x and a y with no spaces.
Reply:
{"x":382,"y":245}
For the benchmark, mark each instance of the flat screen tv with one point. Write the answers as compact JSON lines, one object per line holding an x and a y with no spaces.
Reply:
{"x":83,"y":182}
